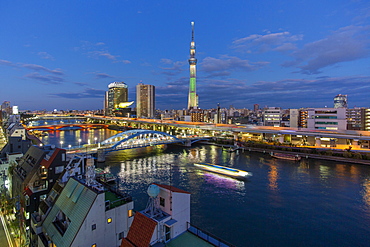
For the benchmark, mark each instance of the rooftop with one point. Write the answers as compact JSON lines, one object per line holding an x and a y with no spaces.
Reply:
{"x":172,"y":188}
{"x":188,"y":239}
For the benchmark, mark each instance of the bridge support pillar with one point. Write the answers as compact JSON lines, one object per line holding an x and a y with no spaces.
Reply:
{"x":187,"y":143}
{"x":101,"y":155}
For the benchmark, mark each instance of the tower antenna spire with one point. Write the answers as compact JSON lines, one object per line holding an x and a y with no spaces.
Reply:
{"x":192,"y":31}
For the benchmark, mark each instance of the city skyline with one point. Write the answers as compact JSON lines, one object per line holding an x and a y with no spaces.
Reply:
{"x":62,"y":55}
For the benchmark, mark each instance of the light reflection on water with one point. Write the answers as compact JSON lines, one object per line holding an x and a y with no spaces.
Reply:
{"x":306,"y":203}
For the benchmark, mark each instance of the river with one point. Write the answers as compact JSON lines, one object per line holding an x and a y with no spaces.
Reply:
{"x":284,"y":203}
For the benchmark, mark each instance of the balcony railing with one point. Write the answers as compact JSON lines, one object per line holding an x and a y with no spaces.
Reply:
{"x":209,"y":237}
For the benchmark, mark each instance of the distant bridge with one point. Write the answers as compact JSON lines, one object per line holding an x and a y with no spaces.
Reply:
{"x":138,"y":138}
{"x":134,"y":139}
{"x":67,"y":126}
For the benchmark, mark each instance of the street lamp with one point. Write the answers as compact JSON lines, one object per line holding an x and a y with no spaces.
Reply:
{"x":61,"y":144}
{"x":95,"y":138}
{"x":79,"y":142}
{"x":69,"y":146}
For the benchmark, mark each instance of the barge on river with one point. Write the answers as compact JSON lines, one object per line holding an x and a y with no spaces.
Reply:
{"x":286,"y":156}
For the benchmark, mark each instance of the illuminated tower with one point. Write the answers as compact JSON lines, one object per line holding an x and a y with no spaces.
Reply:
{"x":193,"y":97}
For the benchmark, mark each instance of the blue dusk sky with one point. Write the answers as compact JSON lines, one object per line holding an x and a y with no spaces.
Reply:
{"x":290,"y":54}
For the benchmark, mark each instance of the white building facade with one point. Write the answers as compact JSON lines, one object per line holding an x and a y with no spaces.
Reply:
{"x":327,"y":119}
{"x":272,"y":116}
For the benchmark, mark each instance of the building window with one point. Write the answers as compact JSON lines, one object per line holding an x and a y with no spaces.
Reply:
{"x":121,"y":235}
{"x":161,"y":201}
{"x":109,"y":220}
{"x":93,"y":245}
{"x":59,"y":169}
{"x":130,"y":213}
{"x":93,"y":227}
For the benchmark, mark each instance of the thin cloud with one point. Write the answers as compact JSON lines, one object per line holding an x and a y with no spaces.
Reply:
{"x":346,"y":44}
{"x":99,"y":50}
{"x":7,"y":63}
{"x":87,"y":93}
{"x":96,"y":54}
{"x":102,"y":76}
{"x":45,"y":55}
{"x":49,"y":79}
{"x":225,"y":64}
{"x":34,"y":67}
{"x":174,"y":70}
{"x":282,"y":41}
{"x":80,"y":83}
{"x":42,"y":68}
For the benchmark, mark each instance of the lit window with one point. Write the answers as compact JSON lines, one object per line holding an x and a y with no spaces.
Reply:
{"x":109,"y":220}
{"x":130,"y":213}
{"x":94,"y":245}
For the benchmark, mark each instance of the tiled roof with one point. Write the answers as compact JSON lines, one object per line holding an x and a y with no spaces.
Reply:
{"x":141,"y":231}
{"x":126,"y":243}
{"x":172,"y":188}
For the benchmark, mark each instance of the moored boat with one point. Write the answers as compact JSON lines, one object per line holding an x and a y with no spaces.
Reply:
{"x":228,"y":171}
{"x":230,"y":149}
{"x":286,"y":156}
{"x":103,"y":176}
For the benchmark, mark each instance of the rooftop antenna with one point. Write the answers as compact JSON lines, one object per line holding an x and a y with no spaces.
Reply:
{"x":90,"y":172}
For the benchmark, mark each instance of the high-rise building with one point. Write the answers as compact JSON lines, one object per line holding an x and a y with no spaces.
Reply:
{"x":340,"y":101}
{"x":116,"y":98}
{"x":256,"y":107}
{"x":145,"y":100}
{"x":193,"y":97}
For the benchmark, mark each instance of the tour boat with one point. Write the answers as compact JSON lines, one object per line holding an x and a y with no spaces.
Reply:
{"x":235,"y":173}
{"x":286,"y":156}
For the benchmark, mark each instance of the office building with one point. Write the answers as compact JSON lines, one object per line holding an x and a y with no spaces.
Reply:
{"x":272,"y":116}
{"x":145,"y":100}
{"x":193,"y":97}
{"x":340,"y":101}
{"x":116,"y":99}
{"x":327,"y":118}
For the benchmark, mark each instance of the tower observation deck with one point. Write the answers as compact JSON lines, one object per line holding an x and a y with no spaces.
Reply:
{"x":193,"y":97}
